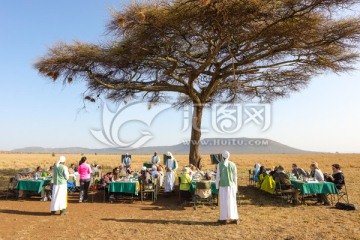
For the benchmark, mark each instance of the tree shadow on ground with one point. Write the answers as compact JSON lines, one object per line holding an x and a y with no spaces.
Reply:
{"x":17,"y":212}
{"x":157,"y":221}
{"x":251,"y":195}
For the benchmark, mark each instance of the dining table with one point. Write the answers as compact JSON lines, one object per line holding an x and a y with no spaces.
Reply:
{"x":308,"y":188}
{"x":32,"y":184}
{"x":131,"y":187}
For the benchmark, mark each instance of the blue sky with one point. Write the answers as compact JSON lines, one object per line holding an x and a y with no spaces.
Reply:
{"x":37,"y":112}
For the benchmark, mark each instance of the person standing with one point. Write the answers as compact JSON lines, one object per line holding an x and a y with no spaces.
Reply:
{"x":59,"y":192}
{"x":85,"y":177}
{"x":226,"y":182}
{"x":155,"y":160}
{"x":171,"y":166}
{"x":126,"y":161}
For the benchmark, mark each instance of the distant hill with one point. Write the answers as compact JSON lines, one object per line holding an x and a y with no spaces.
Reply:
{"x":207,"y":146}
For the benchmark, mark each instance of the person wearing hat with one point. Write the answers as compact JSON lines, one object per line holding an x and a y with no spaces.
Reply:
{"x":59,"y":192}
{"x":185,"y":183}
{"x":155,"y":160}
{"x":126,"y":161}
{"x":171,"y":166}
{"x":226,"y":182}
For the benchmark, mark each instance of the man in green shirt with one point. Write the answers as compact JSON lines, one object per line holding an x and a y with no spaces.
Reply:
{"x":226,"y":182}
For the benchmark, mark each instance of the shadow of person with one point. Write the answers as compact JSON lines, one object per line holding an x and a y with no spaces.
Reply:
{"x":17,"y":212}
{"x":158,"y":221}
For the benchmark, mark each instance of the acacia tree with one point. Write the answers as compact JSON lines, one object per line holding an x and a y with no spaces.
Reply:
{"x":209,"y":51}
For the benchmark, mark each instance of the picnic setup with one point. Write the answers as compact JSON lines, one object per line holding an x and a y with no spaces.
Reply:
{"x":298,"y":186}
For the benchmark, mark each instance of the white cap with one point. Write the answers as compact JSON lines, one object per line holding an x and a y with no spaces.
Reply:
{"x":226,"y":154}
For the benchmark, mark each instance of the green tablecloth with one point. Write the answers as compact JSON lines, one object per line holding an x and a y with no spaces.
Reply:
{"x":315,"y":188}
{"x":32,"y":185}
{"x":148,"y":165}
{"x":213,"y":187}
{"x":124,"y":187}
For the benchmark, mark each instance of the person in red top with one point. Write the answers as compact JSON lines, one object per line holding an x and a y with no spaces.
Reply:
{"x":84,"y":171}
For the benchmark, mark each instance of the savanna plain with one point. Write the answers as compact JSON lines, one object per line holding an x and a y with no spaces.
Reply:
{"x":262,"y":216}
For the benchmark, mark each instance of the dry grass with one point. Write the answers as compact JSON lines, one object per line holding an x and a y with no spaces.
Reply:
{"x":262,"y":215}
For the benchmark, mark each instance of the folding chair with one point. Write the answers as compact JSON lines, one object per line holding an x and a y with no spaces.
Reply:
{"x":203,"y":194}
{"x":251,"y":178}
{"x":71,"y":187}
{"x":11,"y":188}
{"x":342,"y":193}
{"x":148,"y":188}
{"x":280,"y":190}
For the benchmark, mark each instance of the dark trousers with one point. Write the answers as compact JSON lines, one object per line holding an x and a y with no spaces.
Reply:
{"x":185,"y":196}
{"x":84,"y":188}
{"x":322,"y":198}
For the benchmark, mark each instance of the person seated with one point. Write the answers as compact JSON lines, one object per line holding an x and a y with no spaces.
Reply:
{"x":193,"y":169}
{"x":72,"y":169}
{"x":50,"y":172}
{"x":129,"y":170}
{"x":161,"y":174}
{"x":105,"y":181}
{"x":21,"y":175}
{"x":116,"y":174}
{"x":185,"y":183}
{"x":261,"y":175}
{"x":273,"y":171}
{"x":282,"y":179}
{"x":256,"y":171}
{"x":45,"y":172}
{"x":122,"y":172}
{"x":145,"y":177}
{"x":337,"y":177}
{"x":38,"y":173}
{"x":154,"y":172}
{"x":299,"y":172}
{"x":319,"y":176}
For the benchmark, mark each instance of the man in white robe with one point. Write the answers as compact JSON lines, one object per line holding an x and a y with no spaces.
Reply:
{"x":171,"y":166}
{"x":226,"y":182}
{"x":59,"y":193}
{"x":126,"y":161}
{"x":155,"y":160}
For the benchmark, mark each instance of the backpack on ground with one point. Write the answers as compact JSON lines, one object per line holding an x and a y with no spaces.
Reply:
{"x":345,"y":206}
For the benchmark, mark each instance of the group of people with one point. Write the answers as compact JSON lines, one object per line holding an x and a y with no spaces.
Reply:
{"x":29,"y":173}
{"x":226,"y":180}
{"x":282,"y":179}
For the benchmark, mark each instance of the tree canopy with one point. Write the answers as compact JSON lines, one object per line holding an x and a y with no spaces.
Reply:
{"x":211,"y":51}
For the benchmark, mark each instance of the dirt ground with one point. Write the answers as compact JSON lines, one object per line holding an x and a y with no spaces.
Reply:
{"x":262,"y":216}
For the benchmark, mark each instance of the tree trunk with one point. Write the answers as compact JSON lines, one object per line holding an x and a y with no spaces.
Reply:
{"x":194,"y":155}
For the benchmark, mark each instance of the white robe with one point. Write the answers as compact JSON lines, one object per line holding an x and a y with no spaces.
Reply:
{"x":59,"y":194}
{"x":170,"y":176}
{"x":155,"y":160}
{"x":227,"y":197}
{"x":59,"y":197}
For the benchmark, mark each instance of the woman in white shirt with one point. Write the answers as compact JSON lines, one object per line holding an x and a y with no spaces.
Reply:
{"x":319,"y":176}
